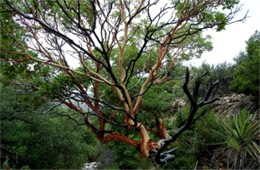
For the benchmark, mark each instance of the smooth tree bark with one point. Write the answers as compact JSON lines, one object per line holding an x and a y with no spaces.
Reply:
{"x":96,"y":34}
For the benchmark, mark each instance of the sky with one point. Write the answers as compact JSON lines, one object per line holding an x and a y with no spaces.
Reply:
{"x":228,"y":43}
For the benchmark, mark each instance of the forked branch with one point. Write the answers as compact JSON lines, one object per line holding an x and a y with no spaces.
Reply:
{"x":167,"y":156}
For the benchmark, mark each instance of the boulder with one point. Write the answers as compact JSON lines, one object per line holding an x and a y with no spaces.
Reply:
{"x":90,"y":166}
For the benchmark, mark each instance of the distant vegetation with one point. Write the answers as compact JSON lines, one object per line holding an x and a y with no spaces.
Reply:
{"x":30,"y":138}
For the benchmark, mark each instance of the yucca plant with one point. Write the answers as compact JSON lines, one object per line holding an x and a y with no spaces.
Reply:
{"x":240,"y":140}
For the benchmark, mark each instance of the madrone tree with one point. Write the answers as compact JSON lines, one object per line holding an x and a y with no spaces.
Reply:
{"x":127,"y":46}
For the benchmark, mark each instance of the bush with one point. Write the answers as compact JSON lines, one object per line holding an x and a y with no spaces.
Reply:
{"x":239,"y":140}
{"x":246,"y":74}
{"x":233,"y":141}
{"x":221,"y":72}
{"x":33,"y":140}
{"x":123,"y":157}
{"x":193,"y":144}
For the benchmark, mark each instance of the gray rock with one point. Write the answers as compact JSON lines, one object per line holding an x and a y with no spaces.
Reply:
{"x":90,"y":166}
{"x":177,"y":104}
{"x":233,"y":104}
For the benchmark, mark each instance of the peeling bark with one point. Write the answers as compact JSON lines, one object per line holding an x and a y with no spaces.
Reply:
{"x":161,"y":131}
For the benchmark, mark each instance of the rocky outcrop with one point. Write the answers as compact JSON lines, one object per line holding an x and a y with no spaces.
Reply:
{"x":227,"y":105}
{"x":233,"y":104}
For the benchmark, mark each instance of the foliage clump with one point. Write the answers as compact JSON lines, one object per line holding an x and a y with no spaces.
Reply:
{"x":246,"y":74}
{"x":239,"y":140}
{"x":33,"y":140}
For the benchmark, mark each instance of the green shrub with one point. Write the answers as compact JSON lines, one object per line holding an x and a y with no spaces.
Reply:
{"x":193,"y":143}
{"x":239,"y":145}
{"x":246,"y":74}
{"x":40,"y":141}
{"x":124,"y":157}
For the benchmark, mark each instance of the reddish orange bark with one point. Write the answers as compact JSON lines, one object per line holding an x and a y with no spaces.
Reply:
{"x":83,"y":91}
{"x":72,"y":106}
{"x":118,"y":137}
{"x":161,"y":131}
{"x":97,"y":106}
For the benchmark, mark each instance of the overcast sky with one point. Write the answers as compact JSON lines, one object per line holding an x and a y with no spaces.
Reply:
{"x":228,"y":43}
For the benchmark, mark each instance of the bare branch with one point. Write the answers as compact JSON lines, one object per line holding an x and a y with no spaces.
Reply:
{"x":161,"y":158}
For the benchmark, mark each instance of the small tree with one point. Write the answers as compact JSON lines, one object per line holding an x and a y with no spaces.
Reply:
{"x":124,"y":47}
{"x":246,"y":74}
